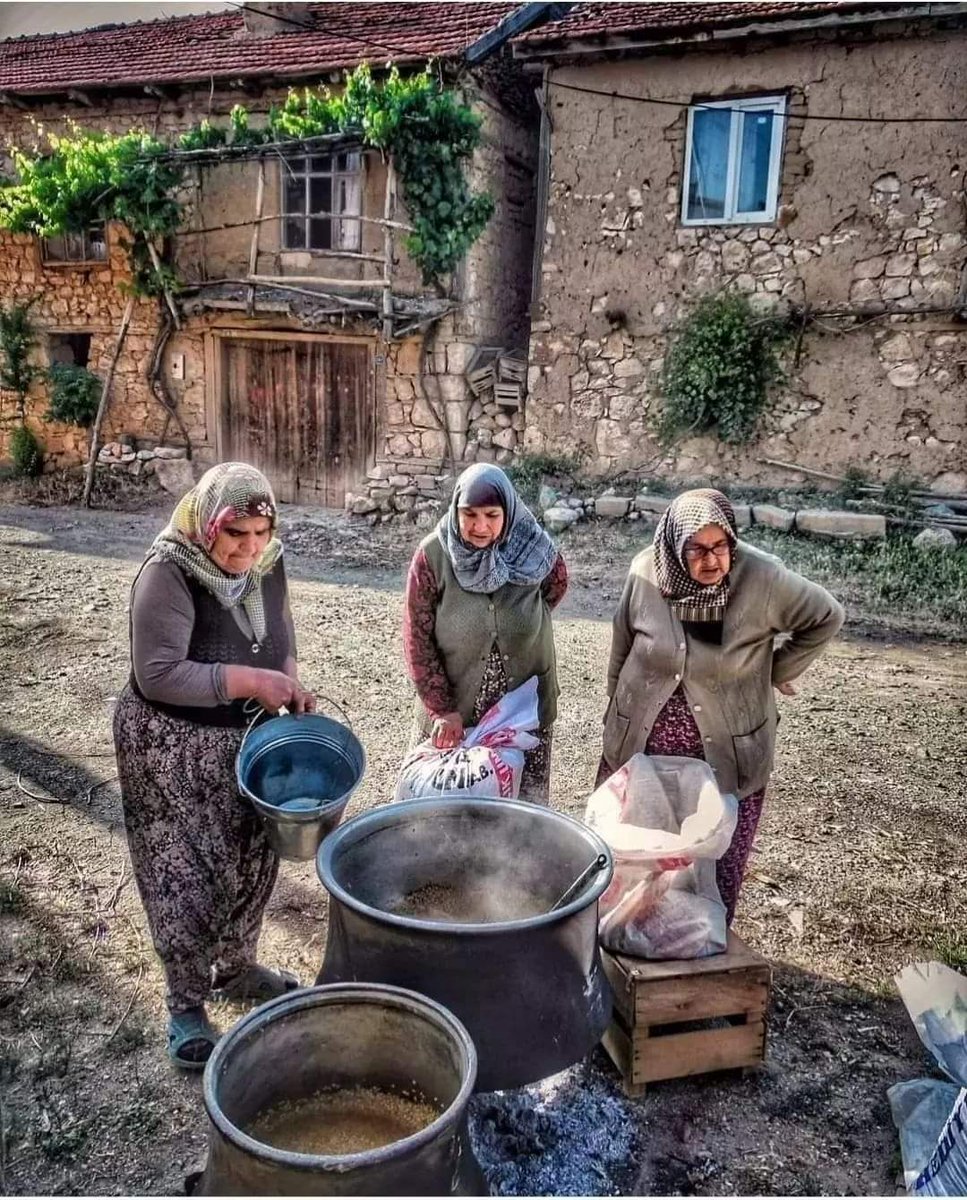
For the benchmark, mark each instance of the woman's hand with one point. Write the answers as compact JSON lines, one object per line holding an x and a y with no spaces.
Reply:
{"x":303,"y":701}
{"x":785,"y":689}
{"x":447,"y":731}
{"x":275,"y":689}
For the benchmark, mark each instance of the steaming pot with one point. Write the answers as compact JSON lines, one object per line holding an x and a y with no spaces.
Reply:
{"x":530,"y":989}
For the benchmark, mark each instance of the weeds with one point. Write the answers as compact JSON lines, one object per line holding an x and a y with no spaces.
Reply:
{"x":528,"y":472}
{"x":12,"y":899}
{"x":890,"y":582}
{"x":951,"y":949}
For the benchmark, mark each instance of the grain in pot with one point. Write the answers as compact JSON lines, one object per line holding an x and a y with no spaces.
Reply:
{"x":342,"y":1121}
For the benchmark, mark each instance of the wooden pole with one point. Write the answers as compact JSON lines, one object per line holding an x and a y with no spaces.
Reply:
{"x":104,"y":402}
{"x":253,"y":253}
{"x":389,"y":204}
{"x":323,"y":281}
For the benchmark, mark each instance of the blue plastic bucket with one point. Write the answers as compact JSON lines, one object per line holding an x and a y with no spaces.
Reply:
{"x":299,"y":772}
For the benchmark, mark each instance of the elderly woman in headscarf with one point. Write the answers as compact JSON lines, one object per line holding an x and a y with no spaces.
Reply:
{"x":210,"y":630}
{"x":477,"y":620}
{"x":695,"y":657}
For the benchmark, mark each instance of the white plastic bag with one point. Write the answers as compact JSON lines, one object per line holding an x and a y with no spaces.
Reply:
{"x":488,"y":762}
{"x":931,"y":1115}
{"x":666,"y":823}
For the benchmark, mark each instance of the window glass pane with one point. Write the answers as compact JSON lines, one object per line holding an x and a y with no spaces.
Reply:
{"x":755,"y":152}
{"x":97,"y":245}
{"x":320,"y":234}
{"x":295,"y":195}
{"x":708,"y":167}
{"x":295,"y":235}
{"x":320,"y":195}
{"x":296,"y":165}
{"x":322,"y":162}
{"x":55,"y":249}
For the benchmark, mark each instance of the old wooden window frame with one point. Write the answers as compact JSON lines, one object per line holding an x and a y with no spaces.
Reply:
{"x":96,"y":234}
{"x":346,"y":186}
{"x":741,"y":107}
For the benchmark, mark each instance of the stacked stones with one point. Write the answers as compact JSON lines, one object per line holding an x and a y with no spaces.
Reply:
{"x":478,"y":429}
{"x":561,"y":513}
{"x":408,"y":489}
{"x":169,"y":464}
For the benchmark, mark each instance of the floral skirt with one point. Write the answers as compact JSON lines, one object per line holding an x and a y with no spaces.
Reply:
{"x":676,"y":733}
{"x":201,"y":860}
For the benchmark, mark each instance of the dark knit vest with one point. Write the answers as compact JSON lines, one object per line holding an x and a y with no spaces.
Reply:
{"x":468,"y":624}
{"x":217,"y":637}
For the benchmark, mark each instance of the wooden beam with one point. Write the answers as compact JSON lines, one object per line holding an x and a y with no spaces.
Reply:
{"x":80,"y":97}
{"x":151,"y":90}
{"x":374,"y":284}
{"x":389,"y":207}
{"x":104,"y":403}
{"x":13,"y":101}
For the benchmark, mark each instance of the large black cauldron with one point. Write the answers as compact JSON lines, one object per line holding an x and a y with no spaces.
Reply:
{"x":526,"y":982}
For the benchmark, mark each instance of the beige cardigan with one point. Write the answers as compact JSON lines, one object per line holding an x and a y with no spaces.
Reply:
{"x":729,"y":687}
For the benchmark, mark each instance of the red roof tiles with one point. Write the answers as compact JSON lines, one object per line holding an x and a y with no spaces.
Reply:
{"x":672,"y":17}
{"x":198,"y":47}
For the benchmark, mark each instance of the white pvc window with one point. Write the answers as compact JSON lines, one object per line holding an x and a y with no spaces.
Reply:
{"x":321,"y":194}
{"x":733,"y":154}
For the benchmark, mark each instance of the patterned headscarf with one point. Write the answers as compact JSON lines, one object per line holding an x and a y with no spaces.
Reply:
{"x":685,"y":516}
{"x":224,"y":494}
{"x":524,"y":552}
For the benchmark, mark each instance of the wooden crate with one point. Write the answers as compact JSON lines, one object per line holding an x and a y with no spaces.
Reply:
{"x":664,"y":1024}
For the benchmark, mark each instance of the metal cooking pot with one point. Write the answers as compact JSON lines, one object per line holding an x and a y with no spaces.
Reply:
{"x":345,"y":1035}
{"x":299,"y":772}
{"x":529,"y":988}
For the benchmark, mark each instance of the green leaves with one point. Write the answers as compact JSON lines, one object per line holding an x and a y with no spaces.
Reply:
{"x":74,"y":394}
{"x":719,"y":369}
{"x":89,"y":177}
{"x":17,"y":337}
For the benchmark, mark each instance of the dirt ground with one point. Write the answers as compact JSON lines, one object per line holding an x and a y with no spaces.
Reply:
{"x":859,"y":870}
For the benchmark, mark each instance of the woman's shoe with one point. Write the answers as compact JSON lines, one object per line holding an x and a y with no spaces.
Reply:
{"x":256,"y":983}
{"x":191,"y":1039}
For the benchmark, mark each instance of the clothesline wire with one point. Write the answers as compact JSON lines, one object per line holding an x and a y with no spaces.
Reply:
{"x":714,"y":106}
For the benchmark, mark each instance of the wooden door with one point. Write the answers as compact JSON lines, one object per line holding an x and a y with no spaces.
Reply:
{"x":301,"y":409}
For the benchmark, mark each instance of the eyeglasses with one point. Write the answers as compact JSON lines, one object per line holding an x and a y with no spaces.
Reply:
{"x":697,"y":553}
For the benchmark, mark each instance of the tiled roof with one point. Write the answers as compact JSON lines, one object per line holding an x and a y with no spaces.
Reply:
{"x":198,"y":47}
{"x":598,"y":21}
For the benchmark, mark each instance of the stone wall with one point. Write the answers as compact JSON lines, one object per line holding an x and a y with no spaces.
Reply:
{"x":424,"y":407}
{"x":870,"y":217}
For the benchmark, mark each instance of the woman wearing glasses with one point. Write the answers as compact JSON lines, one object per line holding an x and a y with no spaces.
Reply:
{"x":694,"y":660}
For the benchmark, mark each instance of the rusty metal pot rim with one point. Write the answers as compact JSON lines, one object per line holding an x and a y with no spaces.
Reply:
{"x":381,"y":818}
{"x":339,"y":993}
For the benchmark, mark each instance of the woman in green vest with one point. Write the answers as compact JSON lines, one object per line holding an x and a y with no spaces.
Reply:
{"x":477,"y":620}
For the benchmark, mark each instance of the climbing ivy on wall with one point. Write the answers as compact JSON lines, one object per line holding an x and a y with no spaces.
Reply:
{"x":87,"y":177}
{"x":720,"y":370}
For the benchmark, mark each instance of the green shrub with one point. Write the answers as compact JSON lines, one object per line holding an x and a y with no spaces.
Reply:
{"x":719,"y":370}
{"x":74,"y":394}
{"x":527,"y":472}
{"x":25,"y":451}
{"x":17,"y":337}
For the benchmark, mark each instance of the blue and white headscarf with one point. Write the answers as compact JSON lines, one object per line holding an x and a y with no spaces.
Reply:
{"x":522,"y":555}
